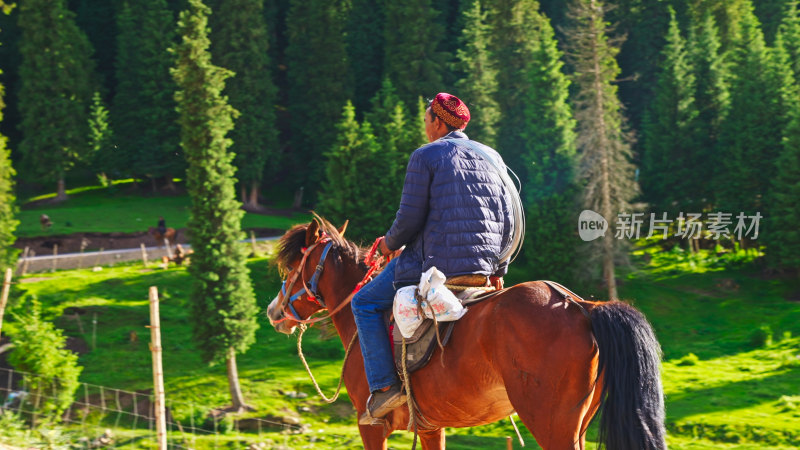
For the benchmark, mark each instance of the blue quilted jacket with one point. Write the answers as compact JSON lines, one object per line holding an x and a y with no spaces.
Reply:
{"x":454,"y":213}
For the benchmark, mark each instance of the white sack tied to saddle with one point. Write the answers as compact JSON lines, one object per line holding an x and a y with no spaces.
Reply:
{"x":436,"y":299}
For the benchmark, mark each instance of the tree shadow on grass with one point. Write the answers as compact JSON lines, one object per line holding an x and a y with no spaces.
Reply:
{"x":734,"y":396}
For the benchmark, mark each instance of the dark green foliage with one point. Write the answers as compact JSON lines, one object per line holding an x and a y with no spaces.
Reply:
{"x":55,"y":89}
{"x":240,"y":43}
{"x":478,"y":85}
{"x":8,"y":208}
{"x":536,"y":134}
{"x":40,"y":350}
{"x":642,"y":24}
{"x":783,"y":235}
{"x":96,"y":18}
{"x":101,"y":137}
{"x":728,"y":15}
{"x":365,"y":42}
{"x":769,"y":13}
{"x":750,"y":137}
{"x":412,"y":60}
{"x":397,"y":132}
{"x":669,"y":132}
{"x":789,"y":36}
{"x":711,"y":101}
{"x":361,"y":182}
{"x":222,"y":301}
{"x":143,"y":110}
{"x":319,"y":84}
{"x":522,"y":54}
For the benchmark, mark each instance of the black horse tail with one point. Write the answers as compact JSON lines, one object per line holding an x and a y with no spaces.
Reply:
{"x":632,"y":409}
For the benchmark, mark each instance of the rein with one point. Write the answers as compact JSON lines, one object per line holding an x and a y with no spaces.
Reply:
{"x":370,"y":260}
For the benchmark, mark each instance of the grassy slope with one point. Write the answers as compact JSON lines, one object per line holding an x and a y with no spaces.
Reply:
{"x":97,"y":209}
{"x":734,"y":395}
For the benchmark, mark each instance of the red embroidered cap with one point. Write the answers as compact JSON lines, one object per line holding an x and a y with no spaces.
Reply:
{"x":450,"y":109}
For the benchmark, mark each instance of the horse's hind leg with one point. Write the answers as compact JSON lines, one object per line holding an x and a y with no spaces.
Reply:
{"x":432,"y":440}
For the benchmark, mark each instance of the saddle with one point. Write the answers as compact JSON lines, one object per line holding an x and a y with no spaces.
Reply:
{"x":420,"y":346}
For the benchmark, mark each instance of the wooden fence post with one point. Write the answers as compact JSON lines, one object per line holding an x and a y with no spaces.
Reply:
{"x":55,"y":255}
{"x":158,"y":371}
{"x":23,"y":260}
{"x":31,"y":254}
{"x":4,"y":295}
{"x":144,"y":254}
{"x":253,"y":242}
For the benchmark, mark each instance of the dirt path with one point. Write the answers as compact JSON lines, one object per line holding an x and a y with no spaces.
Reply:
{"x":71,"y":243}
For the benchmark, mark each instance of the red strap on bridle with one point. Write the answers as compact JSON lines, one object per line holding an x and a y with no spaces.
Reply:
{"x":370,"y":260}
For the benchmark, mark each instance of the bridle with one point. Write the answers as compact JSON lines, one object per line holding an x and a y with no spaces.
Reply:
{"x":286,"y":300}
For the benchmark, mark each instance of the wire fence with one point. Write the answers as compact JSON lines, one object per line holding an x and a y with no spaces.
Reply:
{"x":111,"y":418}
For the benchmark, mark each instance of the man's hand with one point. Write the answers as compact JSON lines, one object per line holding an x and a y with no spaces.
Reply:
{"x":496,"y":282}
{"x":382,"y":246}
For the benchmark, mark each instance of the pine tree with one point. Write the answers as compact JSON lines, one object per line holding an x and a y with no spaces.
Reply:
{"x":789,"y":35}
{"x":412,"y":60}
{"x":365,"y":43}
{"x":8,"y":209}
{"x":55,"y":91}
{"x":669,"y":132}
{"x":144,"y":106}
{"x":728,"y":15}
{"x":478,"y":85}
{"x":240,"y":43}
{"x":750,"y":137}
{"x":783,"y":236}
{"x":40,"y":349}
{"x":397,"y":132}
{"x":319,"y":84}
{"x":536,"y":134}
{"x":603,"y":145}
{"x":223,"y":305}
{"x":711,"y":100}
{"x":360,"y":183}
{"x":101,"y":138}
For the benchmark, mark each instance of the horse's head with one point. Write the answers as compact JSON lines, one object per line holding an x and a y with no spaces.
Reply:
{"x":304,"y":252}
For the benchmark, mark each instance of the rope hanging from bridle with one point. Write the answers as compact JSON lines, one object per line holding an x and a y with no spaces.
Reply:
{"x":374,"y":264}
{"x":303,"y":329}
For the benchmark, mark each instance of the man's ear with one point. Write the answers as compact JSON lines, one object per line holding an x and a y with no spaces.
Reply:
{"x":343,"y":227}
{"x":312,"y":233}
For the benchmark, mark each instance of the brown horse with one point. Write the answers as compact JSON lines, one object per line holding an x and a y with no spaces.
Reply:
{"x":526,"y":350}
{"x":170,"y":234}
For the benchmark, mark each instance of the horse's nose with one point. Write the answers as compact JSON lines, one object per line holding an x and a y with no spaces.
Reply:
{"x":273,"y":317}
{"x":277,"y":319}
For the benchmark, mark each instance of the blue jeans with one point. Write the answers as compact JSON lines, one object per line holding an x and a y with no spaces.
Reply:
{"x":369,"y":305}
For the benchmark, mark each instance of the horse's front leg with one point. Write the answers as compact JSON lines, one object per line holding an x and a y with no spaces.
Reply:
{"x":373,"y":437}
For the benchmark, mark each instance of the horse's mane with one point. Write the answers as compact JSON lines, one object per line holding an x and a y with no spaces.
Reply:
{"x":293,"y":242}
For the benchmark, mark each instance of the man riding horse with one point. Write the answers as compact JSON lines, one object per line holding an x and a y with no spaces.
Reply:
{"x":455,"y":214}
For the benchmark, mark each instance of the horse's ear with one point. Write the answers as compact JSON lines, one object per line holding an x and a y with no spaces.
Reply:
{"x":312,"y":233}
{"x":343,"y":227}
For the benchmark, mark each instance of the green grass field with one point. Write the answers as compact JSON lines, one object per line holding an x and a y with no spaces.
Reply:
{"x":123,"y":209}
{"x":730,"y":337}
